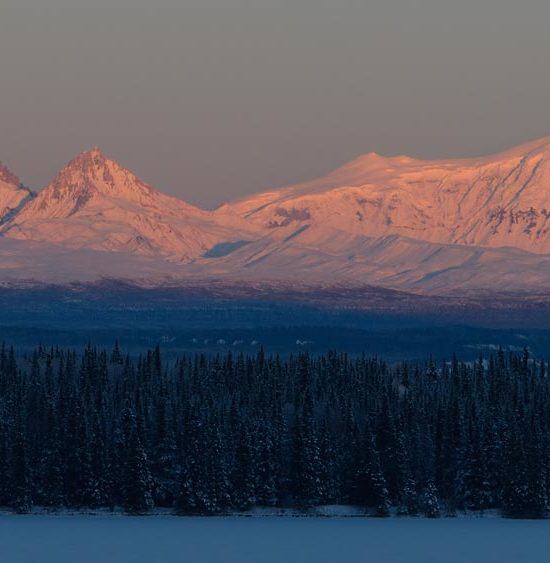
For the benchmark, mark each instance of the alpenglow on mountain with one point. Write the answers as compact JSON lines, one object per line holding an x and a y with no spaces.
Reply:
{"x":94,"y":203}
{"x":13,"y":195}
{"x":391,"y":221}
{"x":497,"y":201}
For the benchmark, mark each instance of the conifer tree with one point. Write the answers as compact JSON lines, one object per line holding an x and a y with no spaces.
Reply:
{"x":430,"y":501}
{"x":137,"y":485}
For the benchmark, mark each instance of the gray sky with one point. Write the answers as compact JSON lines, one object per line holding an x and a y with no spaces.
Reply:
{"x":213,"y":99}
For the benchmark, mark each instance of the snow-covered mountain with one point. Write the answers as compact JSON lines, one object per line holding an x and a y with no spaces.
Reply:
{"x":497,"y":201}
{"x":397,"y":222}
{"x":96,"y":204}
{"x":392,"y":262}
{"x":13,"y":195}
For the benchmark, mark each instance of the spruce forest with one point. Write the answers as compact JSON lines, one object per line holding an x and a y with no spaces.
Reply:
{"x":222,"y":434}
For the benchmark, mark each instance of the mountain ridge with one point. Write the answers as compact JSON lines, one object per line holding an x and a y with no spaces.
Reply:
{"x":496,"y":201}
{"x":13,"y":195}
{"x":95,"y":203}
{"x":394,"y":221}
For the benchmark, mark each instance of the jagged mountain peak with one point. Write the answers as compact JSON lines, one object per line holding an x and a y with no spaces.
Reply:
{"x":91,"y":177}
{"x":93,"y":185}
{"x":89,"y":159}
{"x":13,"y":195}
{"x":96,"y":203}
{"x":94,"y":161}
{"x":7,"y":176}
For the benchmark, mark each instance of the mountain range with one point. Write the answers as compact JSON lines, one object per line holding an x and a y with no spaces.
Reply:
{"x":426,"y":226}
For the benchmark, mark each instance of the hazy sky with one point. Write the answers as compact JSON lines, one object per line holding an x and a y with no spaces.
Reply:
{"x":213,"y":99}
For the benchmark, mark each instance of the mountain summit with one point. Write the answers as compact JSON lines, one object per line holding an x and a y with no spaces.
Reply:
{"x":95,"y":203}
{"x":497,"y":201}
{"x":89,"y":180}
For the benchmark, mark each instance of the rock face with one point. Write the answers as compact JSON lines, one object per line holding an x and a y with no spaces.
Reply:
{"x":392,"y":221}
{"x":94,"y":203}
{"x":497,"y":201}
{"x":12,"y":194}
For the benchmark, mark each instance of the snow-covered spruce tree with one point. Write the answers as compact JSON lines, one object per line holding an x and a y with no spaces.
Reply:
{"x":164,"y":468}
{"x":267,"y":470}
{"x":20,"y":496}
{"x":243,"y":478}
{"x":137,"y":484}
{"x":5,"y":477}
{"x":189,"y":495}
{"x":408,"y":505}
{"x":524,"y":492}
{"x":387,"y":444}
{"x":215,"y":480}
{"x":476,"y":492}
{"x":406,"y":490}
{"x":430,"y":501}
{"x":515,"y":486}
{"x":370,"y":485}
{"x":89,"y":494}
{"x":331,"y":490}
{"x":50,"y":486}
{"x":306,"y":470}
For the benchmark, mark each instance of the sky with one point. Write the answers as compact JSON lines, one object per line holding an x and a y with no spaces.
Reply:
{"x":210,"y":100}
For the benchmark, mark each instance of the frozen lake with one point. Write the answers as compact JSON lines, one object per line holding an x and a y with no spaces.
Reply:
{"x":166,"y":539}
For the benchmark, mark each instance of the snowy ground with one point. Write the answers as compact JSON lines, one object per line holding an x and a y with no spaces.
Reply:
{"x":167,"y":539}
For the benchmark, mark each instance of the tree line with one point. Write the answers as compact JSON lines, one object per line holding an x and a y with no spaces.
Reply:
{"x":226,"y":433}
